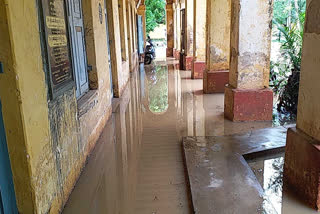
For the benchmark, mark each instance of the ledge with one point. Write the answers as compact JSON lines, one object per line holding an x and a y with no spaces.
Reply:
{"x":87,"y":102}
{"x":220,"y":179}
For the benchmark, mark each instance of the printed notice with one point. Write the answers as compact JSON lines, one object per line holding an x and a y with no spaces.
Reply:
{"x":57,"y":42}
{"x":55,"y":23}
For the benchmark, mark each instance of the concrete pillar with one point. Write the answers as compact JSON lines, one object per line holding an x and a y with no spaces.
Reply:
{"x":115,"y":45}
{"x":177,"y":31}
{"x":188,"y":52}
{"x":199,"y":39}
{"x":302,"y":159}
{"x":248,"y":97}
{"x":129,"y":34}
{"x":174,"y":28}
{"x":216,"y":74}
{"x":170,"y":28}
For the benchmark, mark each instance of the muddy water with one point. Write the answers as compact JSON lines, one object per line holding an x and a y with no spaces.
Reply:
{"x":269,"y":172}
{"x":137,"y":165}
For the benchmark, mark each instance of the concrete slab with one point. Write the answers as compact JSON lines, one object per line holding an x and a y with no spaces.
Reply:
{"x":220,"y":179}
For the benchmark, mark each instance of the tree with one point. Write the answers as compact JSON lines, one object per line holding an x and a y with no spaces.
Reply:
{"x":155,"y":14}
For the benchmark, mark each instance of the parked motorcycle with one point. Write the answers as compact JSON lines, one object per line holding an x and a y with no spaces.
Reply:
{"x":149,"y":54}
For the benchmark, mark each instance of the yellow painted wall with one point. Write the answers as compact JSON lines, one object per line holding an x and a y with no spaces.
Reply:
{"x":178,"y":26}
{"x":199,"y":30}
{"x":33,"y":105}
{"x":49,"y":140}
{"x":120,"y":69}
{"x":250,"y":57}
{"x":309,"y":103}
{"x":218,"y":35}
{"x":13,"y":119}
{"x":170,"y":28}
{"x":189,"y":26}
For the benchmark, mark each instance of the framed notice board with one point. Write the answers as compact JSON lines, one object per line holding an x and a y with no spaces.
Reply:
{"x":57,"y":46}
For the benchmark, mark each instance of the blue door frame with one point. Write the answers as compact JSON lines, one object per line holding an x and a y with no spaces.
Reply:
{"x":7,"y":195}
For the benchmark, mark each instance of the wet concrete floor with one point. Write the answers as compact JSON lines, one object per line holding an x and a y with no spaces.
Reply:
{"x":221,"y":181}
{"x":240,"y":173}
{"x":137,"y":165}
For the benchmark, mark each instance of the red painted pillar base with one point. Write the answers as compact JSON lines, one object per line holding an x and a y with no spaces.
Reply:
{"x":215,"y":81}
{"x":302,"y":166}
{"x":188,"y":64}
{"x":248,"y":105}
{"x":169,"y":52}
{"x":177,"y":55}
{"x":198,"y":68}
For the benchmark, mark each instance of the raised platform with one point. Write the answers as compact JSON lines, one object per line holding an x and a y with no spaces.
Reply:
{"x":220,"y":179}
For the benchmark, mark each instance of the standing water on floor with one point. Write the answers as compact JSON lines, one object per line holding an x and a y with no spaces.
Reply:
{"x":137,"y":165}
{"x":269,"y":172}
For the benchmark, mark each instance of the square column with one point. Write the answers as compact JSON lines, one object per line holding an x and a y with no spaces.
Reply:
{"x":178,"y":30}
{"x":216,"y":74}
{"x":302,"y":159}
{"x":199,"y":39}
{"x":248,"y":97}
{"x":174,"y":29}
{"x":188,"y":52}
{"x":170,"y":28}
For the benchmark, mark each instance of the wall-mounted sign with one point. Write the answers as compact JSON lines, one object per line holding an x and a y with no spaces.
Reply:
{"x":56,"y":34}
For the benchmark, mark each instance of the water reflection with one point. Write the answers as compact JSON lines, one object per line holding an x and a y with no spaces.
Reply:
{"x":158,"y":89}
{"x":272,"y":181}
{"x":108,"y":182}
{"x":269,"y":172}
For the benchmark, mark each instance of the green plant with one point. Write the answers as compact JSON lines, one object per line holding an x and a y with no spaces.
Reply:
{"x":155,"y":14}
{"x":285,"y":71}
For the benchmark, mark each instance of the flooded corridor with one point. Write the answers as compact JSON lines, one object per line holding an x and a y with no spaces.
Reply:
{"x":137,"y":165}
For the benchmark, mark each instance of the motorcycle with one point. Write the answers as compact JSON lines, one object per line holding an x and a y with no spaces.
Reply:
{"x":149,"y":54}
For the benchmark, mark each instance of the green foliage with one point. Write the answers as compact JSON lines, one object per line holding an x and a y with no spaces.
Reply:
{"x":158,"y":90}
{"x":155,"y":14}
{"x":288,"y":22}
